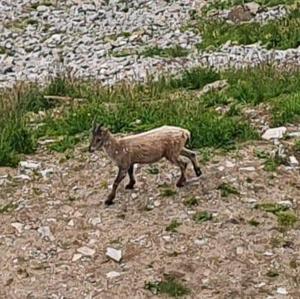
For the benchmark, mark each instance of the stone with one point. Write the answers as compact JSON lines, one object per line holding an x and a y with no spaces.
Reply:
{"x":112,"y":274}
{"x":22,"y":177}
{"x":114,"y":254}
{"x":274,"y":133}
{"x":215,"y":86}
{"x":248,"y":168}
{"x":95,"y":221}
{"x":282,"y":291}
{"x":76,"y":257}
{"x":18,"y":226}
{"x":293,"y":161}
{"x":46,"y":173}
{"x":86,"y":251}
{"x":286,"y":203}
{"x":201,"y":242}
{"x":31,"y":165}
{"x":253,"y":7}
{"x":239,"y":14}
{"x":45,"y":233}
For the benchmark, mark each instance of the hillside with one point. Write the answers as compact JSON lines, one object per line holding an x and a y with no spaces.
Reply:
{"x":226,"y":70}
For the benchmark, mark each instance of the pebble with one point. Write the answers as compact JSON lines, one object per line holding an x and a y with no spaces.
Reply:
{"x":274,"y":133}
{"x":76,"y":257}
{"x":45,"y":232}
{"x":293,"y":161}
{"x":112,"y":274}
{"x":18,"y":226}
{"x":114,"y":254}
{"x":282,"y":291}
{"x":86,"y":251}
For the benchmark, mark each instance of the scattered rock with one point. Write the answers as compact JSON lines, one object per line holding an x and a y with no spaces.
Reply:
{"x":76,"y":257}
{"x":22,"y":177}
{"x":18,"y":226}
{"x":112,"y":274}
{"x":253,"y":7}
{"x":293,"y":161}
{"x":274,"y":133}
{"x":282,"y":291}
{"x":239,"y":14}
{"x":201,"y":242}
{"x":46,"y":173}
{"x":248,"y":168}
{"x":215,"y":86}
{"x":45,"y":232}
{"x":95,"y":221}
{"x":86,"y":251}
{"x":29,"y":165}
{"x":114,"y":254}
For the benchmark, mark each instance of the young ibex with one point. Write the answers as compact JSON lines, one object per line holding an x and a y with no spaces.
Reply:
{"x":149,"y":147}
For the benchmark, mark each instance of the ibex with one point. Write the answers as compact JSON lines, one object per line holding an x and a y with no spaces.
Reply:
{"x":149,"y":147}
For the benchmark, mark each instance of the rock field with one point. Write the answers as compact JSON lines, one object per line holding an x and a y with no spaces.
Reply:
{"x":41,"y":39}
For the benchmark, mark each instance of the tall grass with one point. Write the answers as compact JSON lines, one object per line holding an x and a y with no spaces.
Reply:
{"x":277,"y":34}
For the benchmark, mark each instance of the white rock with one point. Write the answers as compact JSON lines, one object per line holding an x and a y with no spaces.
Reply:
{"x":253,"y":7}
{"x":268,"y":253}
{"x":76,"y":257}
{"x":45,"y":232}
{"x":22,"y":177}
{"x":71,"y":222}
{"x":18,"y":226}
{"x":239,"y":250}
{"x":293,"y":161}
{"x":95,"y":221}
{"x":114,"y":254}
{"x":282,"y":291}
{"x":286,"y":203}
{"x":46,"y":173}
{"x":248,"y":168}
{"x":274,"y":133}
{"x":84,"y":250}
{"x":294,"y":134}
{"x":217,"y":85}
{"x":229,"y":164}
{"x":201,"y":242}
{"x":112,"y":274}
{"x":30,"y":165}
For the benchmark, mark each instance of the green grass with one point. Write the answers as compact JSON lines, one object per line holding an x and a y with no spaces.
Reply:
{"x":286,"y":218}
{"x":170,"y":286}
{"x":286,"y":109}
{"x":202,"y":216}
{"x":278,"y":34}
{"x":172,"y":227}
{"x":226,"y":4}
{"x":8,"y":208}
{"x":139,"y":107}
{"x":227,"y":189}
{"x":270,"y":207}
{"x":167,"y":192}
{"x":171,"y":52}
{"x":191,"y":202}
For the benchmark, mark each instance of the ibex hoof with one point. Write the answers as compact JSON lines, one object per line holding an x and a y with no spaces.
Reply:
{"x":108,"y":202}
{"x":198,"y":171}
{"x":180,"y":184}
{"x":129,"y":186}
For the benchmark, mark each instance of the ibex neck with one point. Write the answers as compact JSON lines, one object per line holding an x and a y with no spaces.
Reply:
{"x":111,"y":146}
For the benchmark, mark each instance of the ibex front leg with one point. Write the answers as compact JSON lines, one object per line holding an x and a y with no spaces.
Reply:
{"x":121,"y":175}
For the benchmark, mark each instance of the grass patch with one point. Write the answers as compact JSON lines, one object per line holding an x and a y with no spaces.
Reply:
{"x":226,"y":4}
{"x":202,"y":216}
{"x":227,"y":189}
{"x":254,"y":222}
{"x":66,"y":143}
{"x":153,"y":170}
{"x":271,"y":164}
{"x":191,"y":202}
{"x":272,"y":273}
{"x":286,"y":109}
{"x":172,"y":227}
{"x":278,"y":34}
{"x":7,"y":208}
{"x":285,"y":218}
{"x":171,"y":52}
{"x":170,"y":286}
{"x":167,"y":192}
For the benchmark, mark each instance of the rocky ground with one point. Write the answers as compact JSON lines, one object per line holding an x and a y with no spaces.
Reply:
{"x":55,"y":230}
{"x":39,"y":39}
{"x":215,"y":236}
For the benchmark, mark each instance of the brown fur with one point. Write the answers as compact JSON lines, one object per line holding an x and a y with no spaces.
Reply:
{"x":149,"y":147}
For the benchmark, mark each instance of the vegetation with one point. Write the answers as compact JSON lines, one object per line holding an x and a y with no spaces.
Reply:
{"x":226,"y":189}
{"x":140,"y":107}
{"x":172,"y":227}
{"x":277,"y":34}
{"x":169,"y":286}
{"x":202,"y":216}
{"x":171,"y":52}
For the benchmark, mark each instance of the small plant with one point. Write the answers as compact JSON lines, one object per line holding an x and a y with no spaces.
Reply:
{"x":191,"y":202}
{"x":8,"y":208}
{"x":168,"y":192}
{"x":271,"y":164}
{"x":254,"y":222}
{"x":203,"y":216}
{"x":227,"y":189}
{"x":153,"y":170}
{"x":172,"y":227}
{"x":271,"y":207}
{"x":169,"y":286}
{"x":286,"y":218}
{"x":172,"y":52}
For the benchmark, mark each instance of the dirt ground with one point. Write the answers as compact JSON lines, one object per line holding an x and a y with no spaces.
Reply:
{"x":226,"y":257}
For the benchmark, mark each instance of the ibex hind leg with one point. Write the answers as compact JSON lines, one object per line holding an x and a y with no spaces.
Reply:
{"x":182,"y":165}
{"x":193,"y":157}
{"x":132,"y":181}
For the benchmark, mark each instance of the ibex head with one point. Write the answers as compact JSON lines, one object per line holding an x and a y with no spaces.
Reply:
{"x":99,"y":136}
